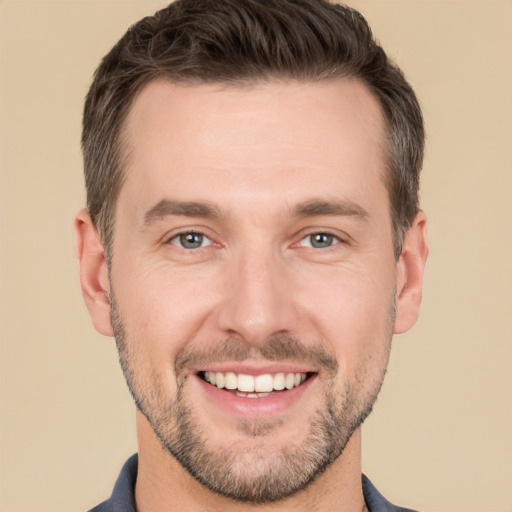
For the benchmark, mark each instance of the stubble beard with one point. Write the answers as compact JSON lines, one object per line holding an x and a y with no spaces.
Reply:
{"x":252,"y":474}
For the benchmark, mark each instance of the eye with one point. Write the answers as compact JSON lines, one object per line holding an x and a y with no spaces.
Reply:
{"x":319,"y":240}
{"x":190,"y":240}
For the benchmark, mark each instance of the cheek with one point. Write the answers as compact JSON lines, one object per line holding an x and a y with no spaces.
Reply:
{"x":162,"y":309}
{"x":352,"y":312}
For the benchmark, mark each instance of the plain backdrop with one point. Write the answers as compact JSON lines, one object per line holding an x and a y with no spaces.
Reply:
{"x":440,"y":436}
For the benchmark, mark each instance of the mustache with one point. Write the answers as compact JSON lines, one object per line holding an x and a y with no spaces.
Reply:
{"x":280,"y":347}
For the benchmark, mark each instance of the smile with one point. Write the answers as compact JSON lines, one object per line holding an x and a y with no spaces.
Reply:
{"x":254,"y":386}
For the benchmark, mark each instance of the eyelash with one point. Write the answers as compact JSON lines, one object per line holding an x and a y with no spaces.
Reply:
{"x":180,"y":239}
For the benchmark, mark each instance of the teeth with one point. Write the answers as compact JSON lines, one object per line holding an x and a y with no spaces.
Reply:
{"x":252,"y":395}
{"x":218,"y":379}
{"x":279,"y":381}
{"x":255,"y":387}
{"x":264,"y":383}
{"x":246,"y":383}
{"x":289,"y":381}
{"x":231,"y":380}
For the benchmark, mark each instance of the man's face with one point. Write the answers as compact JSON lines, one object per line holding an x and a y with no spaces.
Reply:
{"x":253,"y":250}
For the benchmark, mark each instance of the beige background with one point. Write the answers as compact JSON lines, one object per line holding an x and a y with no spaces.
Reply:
{"x":440,"y":438}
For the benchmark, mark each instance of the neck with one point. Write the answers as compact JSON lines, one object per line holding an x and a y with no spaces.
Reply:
{"x":162,"y":483}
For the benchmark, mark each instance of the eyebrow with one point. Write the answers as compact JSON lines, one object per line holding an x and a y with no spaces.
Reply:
{"x":168,"y":207}
{"x":334,"y":208}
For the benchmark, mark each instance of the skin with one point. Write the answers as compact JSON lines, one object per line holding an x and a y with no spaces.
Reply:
{"x":257,"y":154}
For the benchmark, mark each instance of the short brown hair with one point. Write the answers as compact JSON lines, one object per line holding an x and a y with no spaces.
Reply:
{"x":240,"y":41}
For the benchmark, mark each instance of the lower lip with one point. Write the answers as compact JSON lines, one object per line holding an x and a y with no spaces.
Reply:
{"x":271,"y":405}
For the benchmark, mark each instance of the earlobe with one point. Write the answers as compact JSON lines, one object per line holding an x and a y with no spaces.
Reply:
{"x":410,"y":269}
{"x":93,"y":272}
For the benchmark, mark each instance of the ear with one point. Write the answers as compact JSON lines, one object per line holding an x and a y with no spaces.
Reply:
{"x":409,"y":280}
{"x":93,"y":272}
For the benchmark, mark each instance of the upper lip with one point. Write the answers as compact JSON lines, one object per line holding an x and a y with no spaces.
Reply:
{"x":248,"y":368}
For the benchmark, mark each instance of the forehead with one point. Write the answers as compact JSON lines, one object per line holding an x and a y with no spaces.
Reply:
{"x":211,"y":139}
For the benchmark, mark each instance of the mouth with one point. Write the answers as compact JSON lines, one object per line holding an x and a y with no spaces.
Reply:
{"x":255,"y":386}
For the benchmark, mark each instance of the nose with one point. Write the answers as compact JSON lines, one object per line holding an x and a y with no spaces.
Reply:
{"x":258,"y":299}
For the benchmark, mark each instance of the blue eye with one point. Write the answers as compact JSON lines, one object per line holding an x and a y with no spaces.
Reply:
{"x":319,"y":240}
{"x":191,"y":240}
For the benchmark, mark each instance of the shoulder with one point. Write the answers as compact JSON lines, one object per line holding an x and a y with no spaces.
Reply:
{"x":376,"y":502}
{"x":106,"y":506}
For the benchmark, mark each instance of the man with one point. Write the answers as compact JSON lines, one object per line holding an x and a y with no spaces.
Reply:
{"x":252,"y":241}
